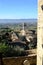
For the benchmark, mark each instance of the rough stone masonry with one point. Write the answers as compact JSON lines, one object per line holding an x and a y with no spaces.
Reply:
{"x":40,"y":33}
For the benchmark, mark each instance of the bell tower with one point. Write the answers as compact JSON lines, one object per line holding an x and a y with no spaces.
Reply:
{"x":40,"y":32}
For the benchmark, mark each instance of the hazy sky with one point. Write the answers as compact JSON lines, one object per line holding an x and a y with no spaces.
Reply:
{"x":18,"y":9}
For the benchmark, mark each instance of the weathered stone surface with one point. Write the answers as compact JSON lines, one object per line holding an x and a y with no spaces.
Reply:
{"x":40,"y":32}
{"x":19,"y":60}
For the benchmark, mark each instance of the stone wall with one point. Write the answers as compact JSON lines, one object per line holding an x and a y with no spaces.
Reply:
{"x":40,"y":32}
{"x":19,"y":60}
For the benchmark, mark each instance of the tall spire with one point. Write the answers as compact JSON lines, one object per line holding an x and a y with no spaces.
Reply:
{"x":23,"y":31}
{"x":23,"y":26}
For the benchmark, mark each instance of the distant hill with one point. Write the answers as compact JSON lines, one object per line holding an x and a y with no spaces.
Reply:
{"x":17,"y":20}
{"x":18,"y":23}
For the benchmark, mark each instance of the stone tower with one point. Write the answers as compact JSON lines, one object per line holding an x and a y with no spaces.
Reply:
{"x":40,"y":32}
{"x":23,"y":33}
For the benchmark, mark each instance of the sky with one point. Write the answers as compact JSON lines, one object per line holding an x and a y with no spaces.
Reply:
{"x":18,"y":9}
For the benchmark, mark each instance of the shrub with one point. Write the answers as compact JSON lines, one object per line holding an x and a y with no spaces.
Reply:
{"x":7,"y":51}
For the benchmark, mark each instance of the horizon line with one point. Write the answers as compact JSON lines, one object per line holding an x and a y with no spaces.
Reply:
{"x":22,"y":18}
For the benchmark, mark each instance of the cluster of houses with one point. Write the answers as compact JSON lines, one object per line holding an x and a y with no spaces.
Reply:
{"x":23,"y":38}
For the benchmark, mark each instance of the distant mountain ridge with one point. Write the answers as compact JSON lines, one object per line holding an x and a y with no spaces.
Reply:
{"x":18,"y":20}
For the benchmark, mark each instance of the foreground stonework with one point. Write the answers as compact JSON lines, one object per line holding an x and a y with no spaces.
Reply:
{"x":20,"y":60}
{"x":40,"y":32}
